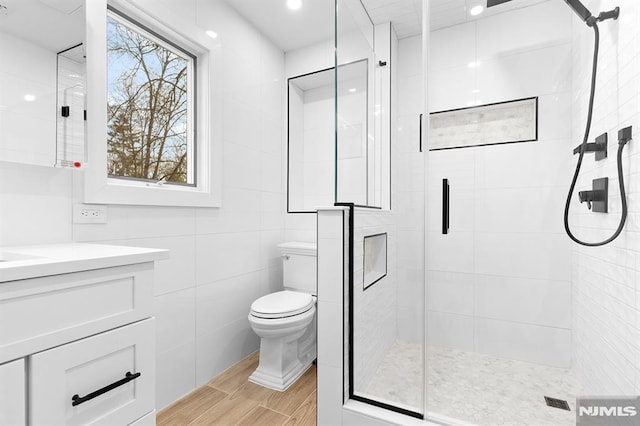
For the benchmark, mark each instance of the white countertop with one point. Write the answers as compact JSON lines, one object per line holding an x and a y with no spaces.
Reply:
{"x":21,"y":263}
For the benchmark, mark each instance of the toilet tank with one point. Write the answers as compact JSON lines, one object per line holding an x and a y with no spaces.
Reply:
{"x":299,"y":266}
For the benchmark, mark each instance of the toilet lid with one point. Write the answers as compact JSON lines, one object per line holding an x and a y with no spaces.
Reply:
{"x":281,"y":304}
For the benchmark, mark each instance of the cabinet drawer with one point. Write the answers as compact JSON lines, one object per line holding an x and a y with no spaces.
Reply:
{"x":95,"y":370}
{"x":13,"y":406}
{"x":50,"y":311}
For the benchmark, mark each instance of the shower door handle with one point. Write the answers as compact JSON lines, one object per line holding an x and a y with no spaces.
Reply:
{"x":420,"y":126}
{"x":445,"y":206}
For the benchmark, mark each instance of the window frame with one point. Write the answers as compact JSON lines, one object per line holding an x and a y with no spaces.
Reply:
{"x":192,"y":84}
{"x":99,"y":187}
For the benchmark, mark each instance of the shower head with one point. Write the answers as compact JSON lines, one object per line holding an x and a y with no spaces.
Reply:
{"x":587,"y":17}
{"x":581,"y":11}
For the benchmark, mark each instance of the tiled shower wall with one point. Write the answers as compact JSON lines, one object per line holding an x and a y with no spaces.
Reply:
{"x":374,"y":308}
{"x":499,"y":282}
{"x":221,"y":259}
{"x":606,"y":280}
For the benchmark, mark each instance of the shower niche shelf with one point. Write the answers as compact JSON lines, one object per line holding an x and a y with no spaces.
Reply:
{"x":375,"y":259}
{"x":490,"y":124}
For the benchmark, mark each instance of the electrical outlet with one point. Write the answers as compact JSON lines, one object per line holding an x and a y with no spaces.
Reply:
{"x":89,"y":213}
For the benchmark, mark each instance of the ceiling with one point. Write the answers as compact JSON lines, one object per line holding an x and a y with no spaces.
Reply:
{"x":314,"y":22}
{"x":58,"y":24}
{"x":289,"y":29}
{"x":446,"y":13}
{"x":53,"y":24}
{"x":405,"y":15}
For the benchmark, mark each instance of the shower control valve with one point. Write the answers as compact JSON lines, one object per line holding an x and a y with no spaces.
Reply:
{"x":599,"y":147}
{"x":597,"y":198}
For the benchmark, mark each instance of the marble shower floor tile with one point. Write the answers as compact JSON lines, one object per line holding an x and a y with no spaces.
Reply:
{"x":476,"y":388}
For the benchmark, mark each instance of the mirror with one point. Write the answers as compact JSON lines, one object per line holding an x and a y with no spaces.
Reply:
{"x":32,"y":33}
{"x":311,"y":138}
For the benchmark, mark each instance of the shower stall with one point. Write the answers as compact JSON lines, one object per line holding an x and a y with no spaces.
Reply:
{"x":449,"y":291}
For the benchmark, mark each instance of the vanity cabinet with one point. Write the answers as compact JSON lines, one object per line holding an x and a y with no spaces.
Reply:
{"x":104,"y":379}
{"x":78,"y":347}
{"x":13,"y":393}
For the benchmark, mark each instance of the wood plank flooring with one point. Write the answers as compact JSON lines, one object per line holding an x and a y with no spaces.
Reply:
{"x":230,"y":399}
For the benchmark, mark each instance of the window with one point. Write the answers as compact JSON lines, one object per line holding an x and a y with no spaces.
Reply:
{"x":154,"y":108}
{"x":150,"y":105}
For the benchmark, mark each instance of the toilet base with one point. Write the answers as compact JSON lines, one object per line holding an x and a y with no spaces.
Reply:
{"x":277,"y":382}
{"x":283,"y":359}
{"x":287,"y":348}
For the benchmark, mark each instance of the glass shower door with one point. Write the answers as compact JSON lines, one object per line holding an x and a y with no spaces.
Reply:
{"x":380,"y":173}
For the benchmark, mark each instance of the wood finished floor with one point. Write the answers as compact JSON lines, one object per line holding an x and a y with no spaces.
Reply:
{"x":230,"y":399}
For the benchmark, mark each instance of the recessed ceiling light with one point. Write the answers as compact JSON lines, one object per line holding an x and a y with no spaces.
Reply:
{"x":29,"y":98}
{"x":476,"y":10}
{"x":352,"y":90}
{"x":211,"y":34}
{"x":294,"y":4}
{"x":473,"y":64}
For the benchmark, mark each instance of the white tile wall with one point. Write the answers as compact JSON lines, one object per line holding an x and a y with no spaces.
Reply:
{"x":606,"y":292}
{"x":221,"y":259}
{"x":374,"y":308}
{"x":499,"y":282}
{"x":533,"y":343}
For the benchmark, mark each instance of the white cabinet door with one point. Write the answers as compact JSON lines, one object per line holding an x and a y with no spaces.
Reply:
{"x":13,"y":406}
{"x":95,"y":380}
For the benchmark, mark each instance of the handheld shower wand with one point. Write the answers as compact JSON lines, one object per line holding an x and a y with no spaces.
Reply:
{"x":623,"y":137}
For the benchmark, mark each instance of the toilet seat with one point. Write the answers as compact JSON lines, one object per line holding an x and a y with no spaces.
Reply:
{"x":282,"y":304}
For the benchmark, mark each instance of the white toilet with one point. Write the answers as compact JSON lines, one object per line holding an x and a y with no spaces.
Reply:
{"x":286,"y":320}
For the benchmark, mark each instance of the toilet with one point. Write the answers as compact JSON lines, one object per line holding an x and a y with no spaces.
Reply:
{"x":286,"y":320}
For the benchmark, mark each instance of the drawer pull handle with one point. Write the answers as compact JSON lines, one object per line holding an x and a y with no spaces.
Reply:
{"x":77,"y":399}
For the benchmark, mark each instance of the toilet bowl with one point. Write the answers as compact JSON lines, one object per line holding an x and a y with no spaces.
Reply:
{"x":285,"y":321}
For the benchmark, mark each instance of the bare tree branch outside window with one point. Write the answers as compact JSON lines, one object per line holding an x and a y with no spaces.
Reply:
{"x":148,"y":131}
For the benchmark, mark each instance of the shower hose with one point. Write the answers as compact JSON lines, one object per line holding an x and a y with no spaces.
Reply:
{"x":621,"y":145}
